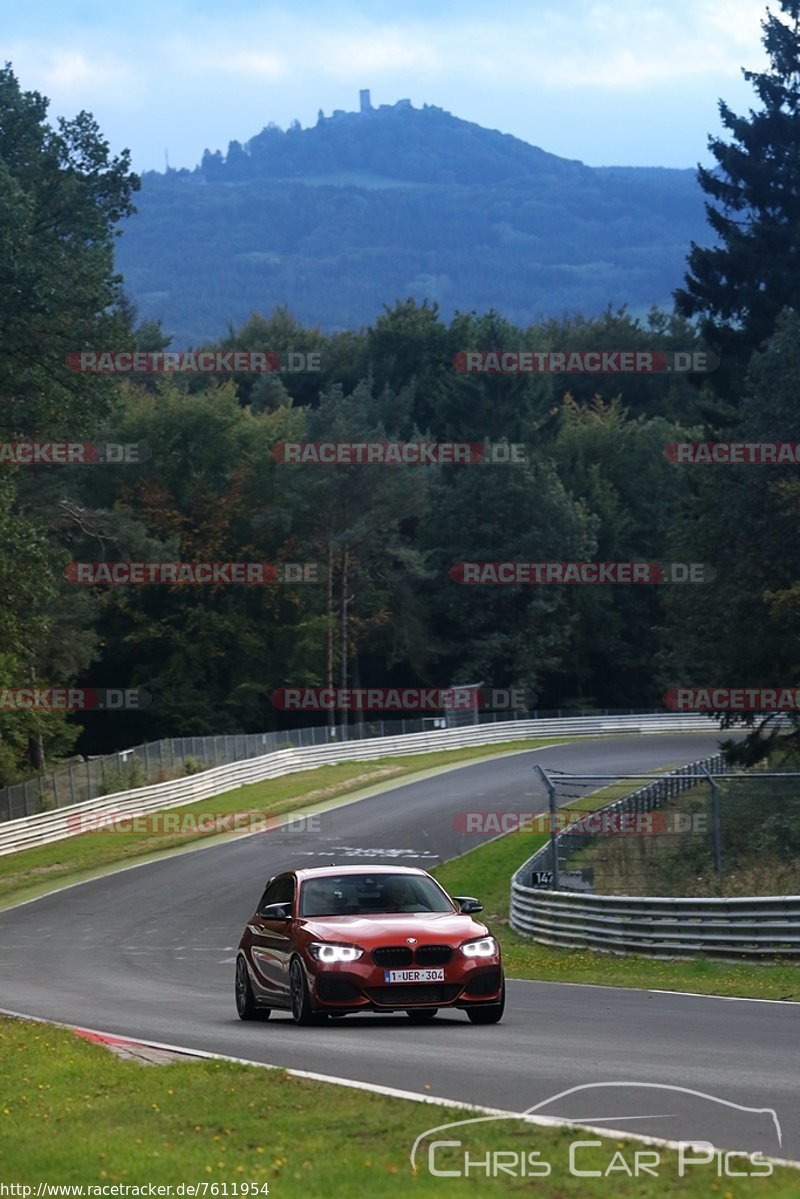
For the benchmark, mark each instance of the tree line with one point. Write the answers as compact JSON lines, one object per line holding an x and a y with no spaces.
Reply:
{"x":595,"y":483}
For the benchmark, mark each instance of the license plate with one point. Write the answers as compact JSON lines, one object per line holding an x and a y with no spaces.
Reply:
{"x":413,"y":976}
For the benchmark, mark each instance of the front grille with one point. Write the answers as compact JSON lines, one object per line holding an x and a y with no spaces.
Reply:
{"x":410,"y":996}
{"x":337,"y":990}
{"x":392,"y":955}
{"x":487,"y":983}
{"x":434,"y":955}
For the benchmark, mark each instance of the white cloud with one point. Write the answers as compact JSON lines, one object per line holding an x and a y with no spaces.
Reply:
{"x":343,"y":55}
{"x":188,"y":58}
{"x":194,"y":75}
{"x":621,"y":48}
{"x":71,"y":77}
{"x":737,"y":21}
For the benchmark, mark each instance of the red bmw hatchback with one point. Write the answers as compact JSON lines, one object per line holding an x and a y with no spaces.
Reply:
{"x":338,"y":939}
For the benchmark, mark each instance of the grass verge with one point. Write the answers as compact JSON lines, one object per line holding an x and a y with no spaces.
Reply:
{"x":486,"y":872}
{"x":72,"y":1114}
{"x":32,"y":872}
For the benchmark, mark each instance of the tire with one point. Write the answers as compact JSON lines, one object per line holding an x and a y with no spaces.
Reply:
{"x":302,"y":1011}
{"x":421,"y":1015}
{"x":491,"y":1014}
{"x":245,"y":999}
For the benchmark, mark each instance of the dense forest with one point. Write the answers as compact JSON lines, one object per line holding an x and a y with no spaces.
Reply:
{"x":598,"y":482}
{"x":367,"y":208}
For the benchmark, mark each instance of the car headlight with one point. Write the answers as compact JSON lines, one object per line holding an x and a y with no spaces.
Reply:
{"x":324,"y":951}
{"x":485,"y":947}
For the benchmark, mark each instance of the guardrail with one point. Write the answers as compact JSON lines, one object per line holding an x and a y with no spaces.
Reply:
{"x":167,"y":759}
{"x":45,"y":827}
{"x":656,"y":926}
{"x":659,"y":927}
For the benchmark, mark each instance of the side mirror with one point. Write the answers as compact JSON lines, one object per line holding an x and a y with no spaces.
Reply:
{"x":468,"y":904}
{"x":276,"y":911}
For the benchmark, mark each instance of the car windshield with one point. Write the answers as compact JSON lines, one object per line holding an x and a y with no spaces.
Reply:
{"x":371,"y":894}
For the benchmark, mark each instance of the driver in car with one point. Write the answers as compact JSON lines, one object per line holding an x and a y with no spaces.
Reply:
{"x":398,"y":896}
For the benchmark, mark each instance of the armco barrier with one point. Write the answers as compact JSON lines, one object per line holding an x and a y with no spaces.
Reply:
{"x":660,"y":927}
{"x":656,"y":926}
{"x":156,"y":761}
{"x":45,"y":827}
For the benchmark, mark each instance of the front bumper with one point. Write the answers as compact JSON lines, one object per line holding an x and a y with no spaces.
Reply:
{"x":350,"y":987}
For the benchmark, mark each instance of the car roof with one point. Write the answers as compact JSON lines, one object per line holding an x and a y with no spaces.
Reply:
{"x":308,"y":872}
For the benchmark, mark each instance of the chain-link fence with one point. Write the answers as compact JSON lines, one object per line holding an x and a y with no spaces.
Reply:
{"x":158,"y":761}
{"x":174,"y":757}
{"x":701,"y":830}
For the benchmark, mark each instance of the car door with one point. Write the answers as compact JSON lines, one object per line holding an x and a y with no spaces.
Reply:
{"x":272,"y":943}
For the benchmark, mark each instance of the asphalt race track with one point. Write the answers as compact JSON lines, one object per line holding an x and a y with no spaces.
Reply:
{"x":149,"y":952}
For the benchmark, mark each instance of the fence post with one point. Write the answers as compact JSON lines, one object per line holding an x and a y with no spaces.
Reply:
{"x":715,"y":823}
{"x":551,"y":793}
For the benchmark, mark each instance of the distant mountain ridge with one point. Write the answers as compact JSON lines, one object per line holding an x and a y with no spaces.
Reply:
{"x":368,"y":207}
{"x":426,"y":145}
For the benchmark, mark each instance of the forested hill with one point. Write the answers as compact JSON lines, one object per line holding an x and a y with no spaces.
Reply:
{"x":399,"y":142}
{"x":365,"y":208}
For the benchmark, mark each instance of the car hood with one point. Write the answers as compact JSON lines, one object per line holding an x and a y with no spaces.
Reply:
{"x":428,"y":928}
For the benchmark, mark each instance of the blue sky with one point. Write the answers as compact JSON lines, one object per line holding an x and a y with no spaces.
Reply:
{"x":626,"y":82}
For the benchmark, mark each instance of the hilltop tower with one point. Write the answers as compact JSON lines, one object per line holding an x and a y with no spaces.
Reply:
{"x":365,"y":102}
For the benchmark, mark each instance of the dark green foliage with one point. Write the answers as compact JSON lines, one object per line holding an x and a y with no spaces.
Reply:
{"x":413,"y":256}
{"x":364,"y":209}
{"x":738,"y":286}
{"x":60,"y":196}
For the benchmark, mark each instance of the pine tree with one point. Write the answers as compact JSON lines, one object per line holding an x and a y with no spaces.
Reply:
{"x":738,"y":287}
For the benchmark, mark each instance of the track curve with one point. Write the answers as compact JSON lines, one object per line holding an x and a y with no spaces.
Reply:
{"x":148,"y":952}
